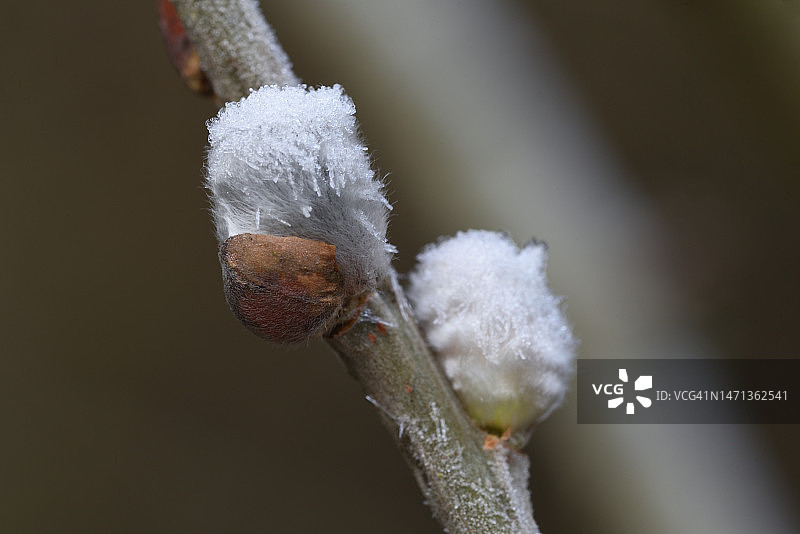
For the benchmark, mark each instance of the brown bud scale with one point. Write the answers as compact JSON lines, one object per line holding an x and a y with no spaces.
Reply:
{"x":283,"y":289}
{"x":180,"y":50}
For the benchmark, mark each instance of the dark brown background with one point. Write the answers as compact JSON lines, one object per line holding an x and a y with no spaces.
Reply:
{"x":132,"y":401}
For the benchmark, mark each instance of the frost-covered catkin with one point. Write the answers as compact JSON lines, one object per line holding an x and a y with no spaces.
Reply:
{"x":288,"y":161}
{"x":498,"y":331}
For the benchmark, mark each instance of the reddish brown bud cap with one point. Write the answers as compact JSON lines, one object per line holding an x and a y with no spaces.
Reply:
{"x":284,"y":289}
{"x":180,"y":50}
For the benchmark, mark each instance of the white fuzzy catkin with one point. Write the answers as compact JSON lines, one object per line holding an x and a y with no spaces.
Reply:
{"x":288,"y":161}
{"x":498,"y":331}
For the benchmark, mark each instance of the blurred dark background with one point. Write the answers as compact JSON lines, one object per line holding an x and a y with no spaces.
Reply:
{"x":132,"y":401}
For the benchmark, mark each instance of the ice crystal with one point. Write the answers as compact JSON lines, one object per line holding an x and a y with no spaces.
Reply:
{"x":498,"y":331}
{"x":288,"y":161}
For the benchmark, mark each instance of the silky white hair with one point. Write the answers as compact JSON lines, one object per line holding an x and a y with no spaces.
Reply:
{"x":288,"y":161}
{"x":496,"y":328}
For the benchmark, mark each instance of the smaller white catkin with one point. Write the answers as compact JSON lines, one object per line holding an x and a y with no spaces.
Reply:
{"x":288,"y":161}
{"x":496,"y":328}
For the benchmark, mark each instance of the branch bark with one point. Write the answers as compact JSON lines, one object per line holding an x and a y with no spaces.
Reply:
{"x":237,"y":48}
{"x":470,"y":489}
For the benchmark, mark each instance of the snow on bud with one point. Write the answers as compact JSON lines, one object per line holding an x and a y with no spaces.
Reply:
{"x":288,"y":161}
{"x":498,"y":331}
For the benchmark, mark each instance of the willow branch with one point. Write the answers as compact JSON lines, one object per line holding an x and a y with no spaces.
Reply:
{"x":471,"y":489}
{"x":237,"y":48}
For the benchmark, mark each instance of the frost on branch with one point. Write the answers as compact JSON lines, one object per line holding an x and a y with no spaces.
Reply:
{"x":287,"y":161}
{"x":498,"y":331}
